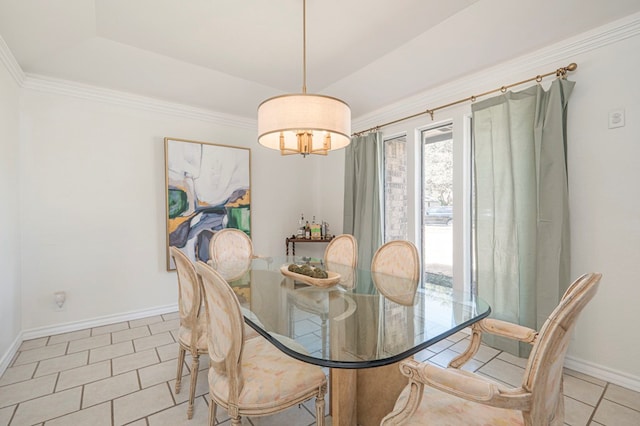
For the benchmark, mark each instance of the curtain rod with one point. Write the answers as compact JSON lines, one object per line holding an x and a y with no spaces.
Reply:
{"x":560,"y":73}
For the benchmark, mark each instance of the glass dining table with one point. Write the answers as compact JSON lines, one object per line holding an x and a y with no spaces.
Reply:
{"x":358,"y":323}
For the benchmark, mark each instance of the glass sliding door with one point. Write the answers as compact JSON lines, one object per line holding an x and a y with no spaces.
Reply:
{"x":395,"y":189}
{"x":437,"y":204}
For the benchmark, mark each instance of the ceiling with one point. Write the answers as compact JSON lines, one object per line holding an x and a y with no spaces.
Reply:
{"x":229,"y":55}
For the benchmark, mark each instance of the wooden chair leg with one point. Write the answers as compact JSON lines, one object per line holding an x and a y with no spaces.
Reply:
{"x":212,"y":412}
{"x":195,"y":363}
{"x":320,"y":409}
{"x":181,"y":352}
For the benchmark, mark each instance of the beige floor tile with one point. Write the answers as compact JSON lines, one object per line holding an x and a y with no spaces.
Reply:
{"x":5,"y":414}
{"x":34,"y":343}
{"x":202,"y":387}
{"x":83,"y":375}
{"x":61,"y":363}
{"x":485,"y":353}
{"x":623,"y":396}
{"x":610,"y":413}
{"x":29,"y":389}
{"x":441,"y":345}
{"x":110,"y":388}
{"x":585,"y":377}
{"x":202,"y":365}
{"x":159,"y":373}
{"x":161,"y":327}
{"x":582,"y":391}
{"x":442,"y":359}
{"x":177,"y":416}
{"x":134,"y":333}
{"x":424,"y":354}
{"x":141,"y":404}
{"x":512,"y":359}
{"x":110,"y":351}
{"x":576,"y":413}
{"x":460,"y":335}
{"x":145,"y":321}
{"x":99,"y":415}
{"x":105,"y":329}
{"x":503,"y":371}
{"x":294,"y":416}
{"x":141,"y":422}
{"x":152,"y":341}
{"x":170,"y":316}
{"x":89,"y":343}
{"x":48,"y":407}
{"x":133,"y":361}
{"x":67,"y":337}
{"x":38,"y":354}
{"x":168,"y":352}
{"x":17,"y":374}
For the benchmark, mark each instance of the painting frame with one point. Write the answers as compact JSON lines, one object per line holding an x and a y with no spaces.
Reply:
{"x":207,"y":188}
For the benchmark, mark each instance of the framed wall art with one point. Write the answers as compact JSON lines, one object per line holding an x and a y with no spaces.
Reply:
{"x":208,"y":188}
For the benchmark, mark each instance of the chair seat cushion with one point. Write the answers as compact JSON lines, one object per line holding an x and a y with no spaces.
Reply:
{"x":440,"y":408}
{"x":270,"y":377}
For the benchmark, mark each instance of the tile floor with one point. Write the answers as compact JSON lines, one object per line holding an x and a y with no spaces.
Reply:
{"x":124,"y":373}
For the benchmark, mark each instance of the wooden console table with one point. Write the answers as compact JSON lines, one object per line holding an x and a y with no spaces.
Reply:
{"x":294,"y":240}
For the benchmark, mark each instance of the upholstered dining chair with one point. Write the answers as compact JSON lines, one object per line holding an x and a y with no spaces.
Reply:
{"x":456,"y":397}
{"x":341,"y":256}
{"x":250,"y":377}
{"x":395,"y":270}
{"x":230,"y":253}
{"x":343,"y":250}
{"x":192,"y":331}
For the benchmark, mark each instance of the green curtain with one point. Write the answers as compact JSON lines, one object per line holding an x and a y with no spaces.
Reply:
{"x":362,"y":205}
{"x":522,"y":214}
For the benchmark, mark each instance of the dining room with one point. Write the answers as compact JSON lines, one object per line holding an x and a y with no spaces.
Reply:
{"x":86,"y":293}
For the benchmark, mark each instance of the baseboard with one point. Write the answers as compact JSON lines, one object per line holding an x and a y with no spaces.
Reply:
{"x":603,"y":373}
{"x":35,"y":333}
{"x":11,"y":352}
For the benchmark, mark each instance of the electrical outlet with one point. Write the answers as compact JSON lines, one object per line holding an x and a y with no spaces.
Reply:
{"x":616,"y":118}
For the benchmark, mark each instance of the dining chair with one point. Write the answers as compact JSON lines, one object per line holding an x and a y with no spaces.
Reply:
{"x":342,"y":250}
{"x":395,"y":270}
{"x":192,"y":331}
{"x":457,"y":397}
{"x":250,"y":377}
{"x":231,"y":253}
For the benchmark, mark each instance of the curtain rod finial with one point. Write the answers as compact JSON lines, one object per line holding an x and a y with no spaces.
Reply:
{"x":572,"y":66}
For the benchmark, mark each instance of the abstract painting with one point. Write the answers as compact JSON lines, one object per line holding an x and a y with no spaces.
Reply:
{"x":208,"y":188}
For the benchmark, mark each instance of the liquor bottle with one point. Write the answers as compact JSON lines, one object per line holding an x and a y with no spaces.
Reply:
{"x":315,"y":229}
{"x":300,"y":231}
{"x":307,"y":231}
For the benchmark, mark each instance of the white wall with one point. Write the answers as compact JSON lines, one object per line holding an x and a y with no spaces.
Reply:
{"x":92,"y":201}
{"x":603,"y":180}
{"x":93,"y":204}
{"x":10,"y":306}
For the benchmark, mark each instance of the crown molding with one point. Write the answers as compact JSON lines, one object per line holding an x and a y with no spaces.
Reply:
{"x":10,"y":63}
{"x":557,"y":55}
{"x":115,"y":97}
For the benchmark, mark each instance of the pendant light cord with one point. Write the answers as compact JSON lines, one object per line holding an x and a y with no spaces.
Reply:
{"x":304,"y":46}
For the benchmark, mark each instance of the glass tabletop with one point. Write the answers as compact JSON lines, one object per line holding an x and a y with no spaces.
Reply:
{"x":359,"y":319}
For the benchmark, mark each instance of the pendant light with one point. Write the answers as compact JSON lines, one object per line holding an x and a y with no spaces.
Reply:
{"x":304,"y":123}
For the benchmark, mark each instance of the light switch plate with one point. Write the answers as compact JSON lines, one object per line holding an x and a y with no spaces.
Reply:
{"x":616,"y":118}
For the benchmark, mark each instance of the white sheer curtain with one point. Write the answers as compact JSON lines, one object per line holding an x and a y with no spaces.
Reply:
{"x":362,"y":204}
{"x":522,"y":217}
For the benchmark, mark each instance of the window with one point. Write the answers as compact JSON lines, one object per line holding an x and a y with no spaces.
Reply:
{"x":395,"y":189}
{"x":427,"y":192}
{"x":437,"y":205}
